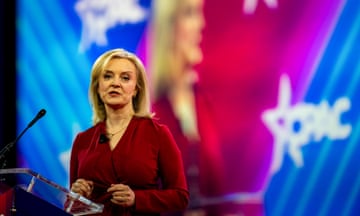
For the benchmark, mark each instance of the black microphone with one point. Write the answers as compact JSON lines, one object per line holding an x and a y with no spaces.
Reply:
{"x":103,"y":138}
{"x":40,"y":114}
{"x":8,"y":147}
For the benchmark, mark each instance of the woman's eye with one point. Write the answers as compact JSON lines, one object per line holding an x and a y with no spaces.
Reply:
{"x":107,"y":76}
{"x":126,"y":78}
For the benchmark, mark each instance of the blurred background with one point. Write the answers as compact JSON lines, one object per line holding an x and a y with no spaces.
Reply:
{"x":260,"y":94}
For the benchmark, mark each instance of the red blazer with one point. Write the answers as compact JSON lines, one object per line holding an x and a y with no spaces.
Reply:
{"x":146,"y":158}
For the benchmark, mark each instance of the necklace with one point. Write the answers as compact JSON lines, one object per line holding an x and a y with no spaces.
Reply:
{"x":126,"y":123}
{"x":110,"y":135}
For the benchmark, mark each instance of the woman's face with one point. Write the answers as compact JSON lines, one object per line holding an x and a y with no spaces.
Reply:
{"x":188,"y":27}
{"x":117,"y":83}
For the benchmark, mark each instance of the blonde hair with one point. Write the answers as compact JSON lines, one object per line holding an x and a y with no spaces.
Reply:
{"x":141,"y":102}
{"x":162,"y":41}
{"x":167,"y":62}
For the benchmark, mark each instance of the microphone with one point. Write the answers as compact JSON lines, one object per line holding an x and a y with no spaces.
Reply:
{"x":103,"y":138}
{"x":8,"y":147}
{"x":40,"y":114}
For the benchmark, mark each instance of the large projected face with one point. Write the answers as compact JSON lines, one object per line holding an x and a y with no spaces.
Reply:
{"x":268,"y":93}
{"x":189,"y":22}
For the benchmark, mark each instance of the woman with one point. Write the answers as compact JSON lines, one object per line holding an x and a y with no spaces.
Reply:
{"x":176,"y":32}
{"x":175,"y":50}
{"x":126,"y":161}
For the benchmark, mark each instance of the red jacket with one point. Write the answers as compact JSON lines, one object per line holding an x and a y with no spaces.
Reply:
{"x":146,"y":158}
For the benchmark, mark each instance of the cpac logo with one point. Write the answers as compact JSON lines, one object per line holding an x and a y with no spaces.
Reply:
{"x":98,"y":16}
{"x":294,"y":126}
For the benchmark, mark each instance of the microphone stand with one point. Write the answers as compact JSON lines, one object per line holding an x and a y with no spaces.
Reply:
{"x":10,"y":145}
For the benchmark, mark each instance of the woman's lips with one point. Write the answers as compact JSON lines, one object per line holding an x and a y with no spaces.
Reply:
{"x":114,"y":93}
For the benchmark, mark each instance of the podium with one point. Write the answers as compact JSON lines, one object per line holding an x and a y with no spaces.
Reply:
{"x":24,"y":192}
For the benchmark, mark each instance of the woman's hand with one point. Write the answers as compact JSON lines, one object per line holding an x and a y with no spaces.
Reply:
{"x":122,"y":195}
{"x":83,"y":187}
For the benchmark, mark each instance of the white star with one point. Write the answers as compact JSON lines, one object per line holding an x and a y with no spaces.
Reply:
{"x":275,"y":119}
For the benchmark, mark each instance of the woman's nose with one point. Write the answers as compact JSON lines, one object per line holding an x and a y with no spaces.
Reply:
{"x":116,"y":82}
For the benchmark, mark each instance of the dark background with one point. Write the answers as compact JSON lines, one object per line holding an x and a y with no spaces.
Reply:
{"x":7,"y":79}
